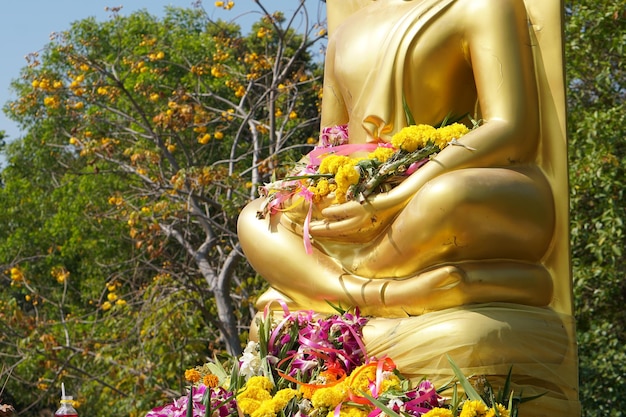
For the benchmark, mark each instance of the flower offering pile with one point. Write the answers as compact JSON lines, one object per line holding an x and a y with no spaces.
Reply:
{"x":304,"y":365}
{"x":349,"y":172}
{"x":337,"y":171}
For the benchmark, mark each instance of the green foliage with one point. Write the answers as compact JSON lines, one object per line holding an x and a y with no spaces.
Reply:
{"x":596,"y":35}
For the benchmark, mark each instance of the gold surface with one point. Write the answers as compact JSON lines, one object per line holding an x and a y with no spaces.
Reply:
{"x":469,"y":230}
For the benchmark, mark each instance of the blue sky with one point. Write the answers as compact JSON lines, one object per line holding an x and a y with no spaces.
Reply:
{"x":26,"y":25}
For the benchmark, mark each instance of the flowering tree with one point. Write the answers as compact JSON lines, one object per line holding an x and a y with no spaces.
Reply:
{"x":144,"y":138}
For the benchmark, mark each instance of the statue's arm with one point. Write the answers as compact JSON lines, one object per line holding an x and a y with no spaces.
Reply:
{"x":496,"y":33}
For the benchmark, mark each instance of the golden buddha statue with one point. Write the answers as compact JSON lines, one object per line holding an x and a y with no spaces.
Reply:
{"x":469,"y":255}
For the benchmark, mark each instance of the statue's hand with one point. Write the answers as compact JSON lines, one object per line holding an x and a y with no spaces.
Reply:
{"x":354,"y":218}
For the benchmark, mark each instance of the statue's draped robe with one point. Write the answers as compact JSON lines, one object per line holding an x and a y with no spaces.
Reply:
{"x":485,"y":339}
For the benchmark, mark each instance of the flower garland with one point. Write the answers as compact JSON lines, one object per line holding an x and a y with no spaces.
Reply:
{"x":309,"y":366}
{"x":338,"y":170}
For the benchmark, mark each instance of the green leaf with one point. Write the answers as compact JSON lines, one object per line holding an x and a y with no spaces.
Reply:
{"x":465,"y":384}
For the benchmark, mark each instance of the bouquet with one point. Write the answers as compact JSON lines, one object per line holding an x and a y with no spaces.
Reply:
{"x":341,"y":172}
{"x":304,"y":365}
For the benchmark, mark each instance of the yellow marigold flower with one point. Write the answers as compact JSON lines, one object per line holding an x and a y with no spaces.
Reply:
{"x":278,"y":113}
{"x":345,"y":177}
{"x":192,"y":375}
{"x":320,"y":190}
{"x":350,"y":411}
{"x":218,"y":135}
{"x":332,"y":163}
{"x":282,"y":397}
{"x":449,"y":132}
{"x":211,"y":380}
{"x":265,"y":409}
{"x":413,"y":137}
{"x":260,"y":382}
{"x":360,"y":379}
{"x":329,"y":397}
{"x":106,"y":306}
{"x":248,"y":405}
{"x":154,"y":97}
{"x":111,"y":296}
{"x":390,"y":382}
{"x":502,"y":411}
{"x":474,"y":408}
{"x":293,"y":115}
{"x":256,"y":390}
{"x":382,"y":154}
{"x":438,"y":412}
{"x":120,"y":302}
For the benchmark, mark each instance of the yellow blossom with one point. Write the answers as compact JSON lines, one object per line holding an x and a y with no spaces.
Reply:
{"x":329,"y":397}
{"x":474,"y":408}
{"x":16,"y":274}
{"x":413,"y":137}
{"x":350,"y":411}
{"x":282,"y":397}
{"x":210,"y":380}
{"x":262,"y":32}
{"x":204,"y":139}
{"x":192,"y":375}
{"x":51,"y":101}
{"x":218,"y":135}
{"x":321,"y":190}
{"x":219,"y":4}
{"x":382,"y":154}
{"x":438,"y":412}
{"x":240,"y":91}
{"x":120,"y":302}
{"x":293,"y":115}
{"x":345,"y":178}
{"x":111,"y":296}
{"x":106,"y":306}
{"x":450,"y":132}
